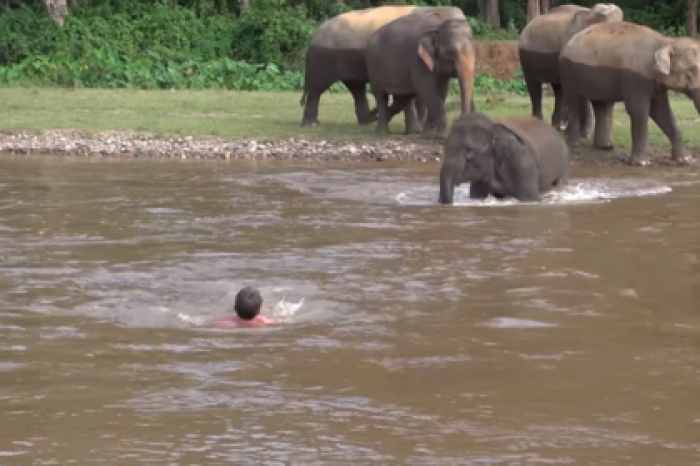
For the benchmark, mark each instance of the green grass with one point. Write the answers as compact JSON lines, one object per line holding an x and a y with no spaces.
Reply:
{"x":264,"y":115}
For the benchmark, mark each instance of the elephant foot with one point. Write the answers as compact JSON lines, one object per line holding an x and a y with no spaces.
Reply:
{"x":382,"y":132}
{"x":574,"y":143}
{"x":414,"y":130}
{"x":432,"y":136}
{"x":604,"y":145}
{"x":367,"y":121}
{"x":311,"y":124}
{"x":642,"y":161}
{"x":682,"y":161}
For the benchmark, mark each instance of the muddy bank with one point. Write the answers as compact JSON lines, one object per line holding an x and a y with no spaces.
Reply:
{"x":498,"y":59}
{"x":143,"y":145}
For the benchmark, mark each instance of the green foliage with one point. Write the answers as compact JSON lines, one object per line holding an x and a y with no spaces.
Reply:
{"x":217,"y":44}
{"x":273,"y":32}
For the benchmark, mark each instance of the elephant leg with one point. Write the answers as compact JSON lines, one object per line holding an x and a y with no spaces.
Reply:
{"x":420,"y":114}
{"x":359,"y":95}
{"x":586,"y":118}
{"x":402,"y":103}
{"x":558,"y":114}
{"x":534,"y":88}
{"x":382,"y":111}
{"x":478,"y":190}
{"x":603,"y":112}
{"x":411,"y":117}
{"x":638,"y":108}
{"x":662,"y":115}
{"x":573,"y":103}
{"x":421,"y":109}
{"x":313,"y":99}
{"x":433,"y":95}
{"x":441,"y":122}
{"x":397,"y":106}
{"x":563,"y":179}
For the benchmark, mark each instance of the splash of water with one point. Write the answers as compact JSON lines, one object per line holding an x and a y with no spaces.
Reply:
{"x":284,"y":308}
{"x":584,"y":191}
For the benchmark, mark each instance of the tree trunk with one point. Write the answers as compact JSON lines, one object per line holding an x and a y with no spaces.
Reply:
{"x":488,"y":12}
{"x":545,"y":5}
{"x":58,"y":10}
{"x":533,"y":9}
{"x":692,"y":20}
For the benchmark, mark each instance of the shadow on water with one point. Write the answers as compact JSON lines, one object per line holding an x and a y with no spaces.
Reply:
{"x":564,"y":332}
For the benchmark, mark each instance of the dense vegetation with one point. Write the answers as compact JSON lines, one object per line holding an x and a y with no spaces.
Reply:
{"x":219,"y":44}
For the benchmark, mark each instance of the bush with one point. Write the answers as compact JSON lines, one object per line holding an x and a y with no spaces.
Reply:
{"x":132,"y":44}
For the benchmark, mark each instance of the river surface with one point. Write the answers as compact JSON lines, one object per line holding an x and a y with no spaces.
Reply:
{"x":565,"y":332}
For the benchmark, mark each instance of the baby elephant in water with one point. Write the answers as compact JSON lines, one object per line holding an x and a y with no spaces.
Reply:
{"x":520,"y":157}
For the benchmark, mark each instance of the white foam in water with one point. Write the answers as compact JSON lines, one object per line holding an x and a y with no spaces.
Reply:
{"x":512,"y":322}
{"x":283,"y":308}
{"x":583,"y":191}
{"x":287,"y":309}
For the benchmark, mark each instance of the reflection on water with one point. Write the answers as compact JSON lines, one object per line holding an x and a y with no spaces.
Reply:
{"x":559,"y":333}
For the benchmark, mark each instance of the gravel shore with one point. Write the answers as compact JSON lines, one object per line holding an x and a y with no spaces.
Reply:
{"x":117,"y":144}
{"x":143,"y":145}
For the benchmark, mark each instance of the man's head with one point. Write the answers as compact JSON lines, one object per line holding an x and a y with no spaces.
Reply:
{"x":248,"y":303}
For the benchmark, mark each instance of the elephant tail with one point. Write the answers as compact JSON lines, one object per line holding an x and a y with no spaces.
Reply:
{"x":302,"y":101}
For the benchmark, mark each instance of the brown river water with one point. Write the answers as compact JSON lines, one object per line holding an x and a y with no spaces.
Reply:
{"x":477,"y":334}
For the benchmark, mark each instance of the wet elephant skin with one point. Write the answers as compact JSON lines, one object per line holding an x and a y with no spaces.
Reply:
{"x":604,"y":87}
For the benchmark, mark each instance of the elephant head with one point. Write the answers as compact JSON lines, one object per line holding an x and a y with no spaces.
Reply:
{"x":471,"y":153}
{"x":597,"y":14}
{"x":449,"y":50}
{"x":677,"y":65}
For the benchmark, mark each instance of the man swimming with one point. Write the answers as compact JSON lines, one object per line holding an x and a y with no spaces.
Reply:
{"x":247,"y":308}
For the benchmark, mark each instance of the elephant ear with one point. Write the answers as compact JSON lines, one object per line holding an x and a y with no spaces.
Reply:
{"x":578,"y":23}
{"x":507,"y":144}
{"x":427,"y":46}
{"x":662,"y":59}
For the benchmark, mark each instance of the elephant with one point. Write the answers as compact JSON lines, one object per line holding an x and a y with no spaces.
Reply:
{"x":518,"y":157}
{"x":336,"y":52}
{"x":417,"y":56}
{"x":636,"y":65}
{"x":539,"y":46}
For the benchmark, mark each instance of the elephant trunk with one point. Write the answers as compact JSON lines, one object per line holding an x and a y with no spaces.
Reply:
{"x":450,"y":177}
{"x":465,"y":76}
{"x":695,"y":95}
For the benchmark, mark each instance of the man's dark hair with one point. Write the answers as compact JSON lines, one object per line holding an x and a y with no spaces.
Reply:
{"x":248,"y":303}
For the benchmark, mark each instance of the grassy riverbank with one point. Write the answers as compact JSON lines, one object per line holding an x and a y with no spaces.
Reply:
{"x":237,"y":115}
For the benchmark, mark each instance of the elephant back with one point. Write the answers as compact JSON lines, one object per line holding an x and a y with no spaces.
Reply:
{"x":528,"y":129}
{"x":352,"y":30}
{"x":622,"y":45}
{"x":442,"y":12}
{"x":539,"y":137}
{"x":545,"y":33}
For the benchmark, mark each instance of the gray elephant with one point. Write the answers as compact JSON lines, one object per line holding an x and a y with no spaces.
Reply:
{"x":417,"y":56}
{"x":633,"y":64}
{"x":337,"y":53}
{"x":539,"y":46}
{"x":520,"y":157}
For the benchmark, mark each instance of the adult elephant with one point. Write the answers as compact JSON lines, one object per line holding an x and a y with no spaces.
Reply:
{"x":337,"y":53}
{"x":417,"y":56}
{"x":636,"y":65}
{"x":541,"y":42}
{"x":520,"y":157}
